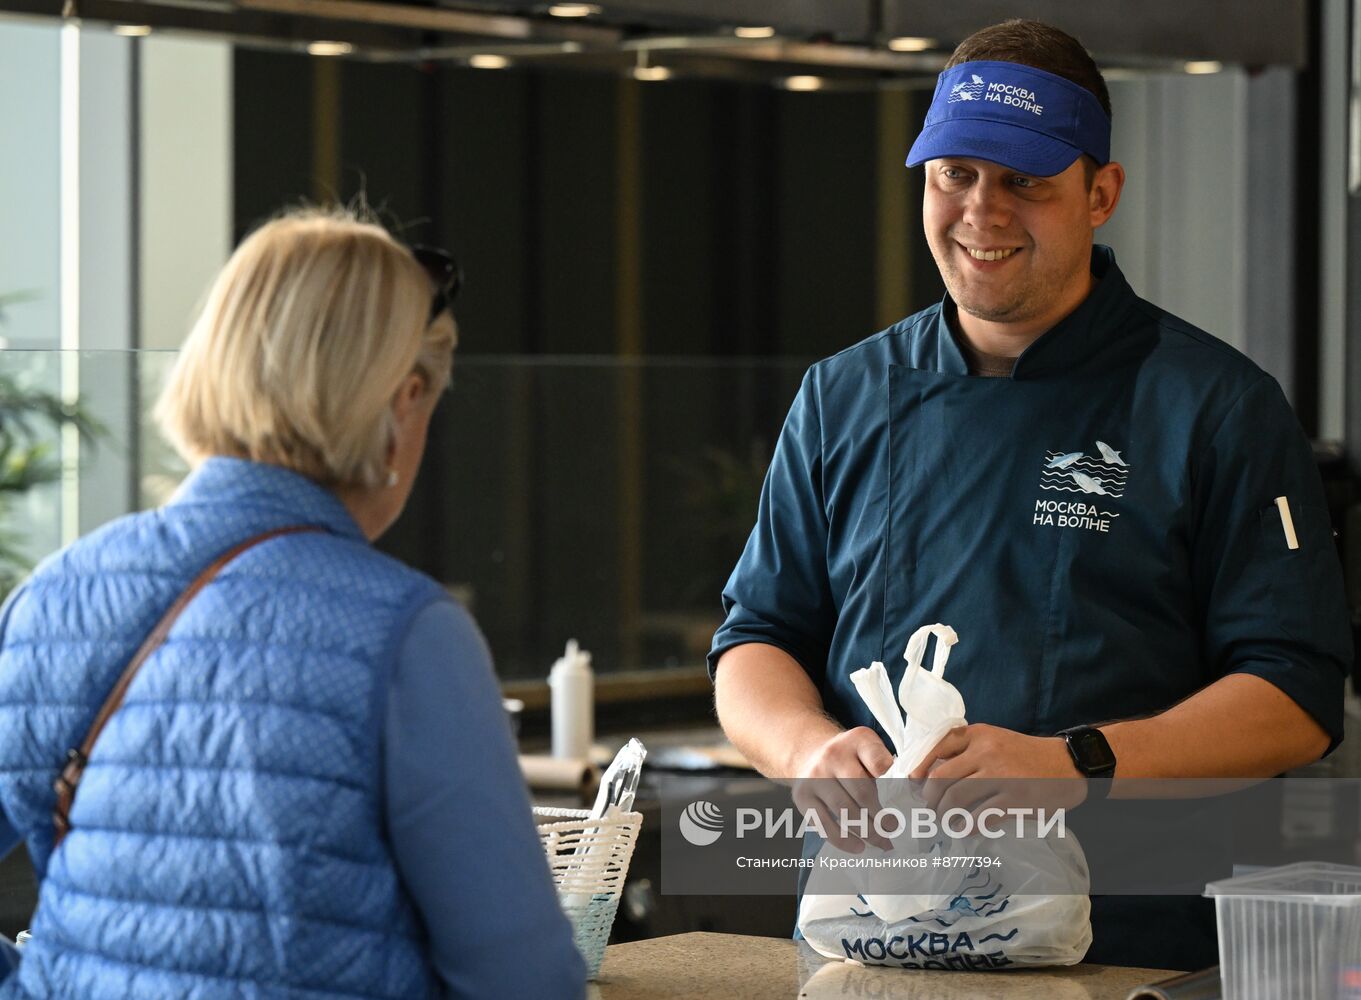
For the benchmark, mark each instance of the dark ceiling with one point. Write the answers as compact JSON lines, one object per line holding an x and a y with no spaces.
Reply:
{"x":845,"y":37}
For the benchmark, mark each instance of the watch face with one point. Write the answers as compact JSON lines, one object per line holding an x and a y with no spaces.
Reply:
{"x":1092,"y":750}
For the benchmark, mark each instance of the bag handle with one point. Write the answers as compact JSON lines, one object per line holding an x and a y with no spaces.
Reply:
{"x":77,"y":757}
{"x":916,"y":647}
{"x":876,"y":691}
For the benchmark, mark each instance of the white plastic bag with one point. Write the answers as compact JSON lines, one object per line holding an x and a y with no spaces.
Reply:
{"x":1003,"y":916}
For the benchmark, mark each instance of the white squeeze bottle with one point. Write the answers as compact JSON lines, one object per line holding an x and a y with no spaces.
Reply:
{"x":573,"y":709}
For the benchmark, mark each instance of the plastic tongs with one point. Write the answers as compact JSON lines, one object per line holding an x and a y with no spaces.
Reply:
{"x":620,"y":781}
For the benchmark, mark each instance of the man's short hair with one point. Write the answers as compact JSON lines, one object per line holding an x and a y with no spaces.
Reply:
{"x":308,"y":332}
{"x":1033,"y":43}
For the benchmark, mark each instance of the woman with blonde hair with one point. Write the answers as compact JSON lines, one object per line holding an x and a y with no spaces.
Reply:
{"x":307,"y":789}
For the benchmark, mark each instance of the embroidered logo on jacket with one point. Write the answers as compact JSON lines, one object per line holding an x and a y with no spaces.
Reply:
{"x":1103,"y":474}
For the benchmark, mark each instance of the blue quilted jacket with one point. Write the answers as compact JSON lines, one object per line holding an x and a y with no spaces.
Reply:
{"x":227,"y":836}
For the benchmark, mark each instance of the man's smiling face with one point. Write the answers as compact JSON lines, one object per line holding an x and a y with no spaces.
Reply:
{"x":1011,"y":248}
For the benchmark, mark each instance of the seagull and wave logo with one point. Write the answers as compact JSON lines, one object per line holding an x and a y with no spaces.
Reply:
{"x":701,"y":823}
{"x":967,"y":90}
{"x":1103,"y":474}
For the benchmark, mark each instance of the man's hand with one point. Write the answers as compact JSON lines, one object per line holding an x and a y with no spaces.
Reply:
{"x":837,"y":778}
{"x":855,"y":753}
{"x":991,"y":759}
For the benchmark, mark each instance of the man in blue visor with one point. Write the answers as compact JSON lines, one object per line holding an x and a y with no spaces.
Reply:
{"x":1118,"y":513}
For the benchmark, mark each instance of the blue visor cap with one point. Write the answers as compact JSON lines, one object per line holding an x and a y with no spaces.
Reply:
{"x":1024,"y":118}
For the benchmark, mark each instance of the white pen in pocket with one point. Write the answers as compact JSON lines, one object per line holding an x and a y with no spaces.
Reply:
{"x":1287,"y":523}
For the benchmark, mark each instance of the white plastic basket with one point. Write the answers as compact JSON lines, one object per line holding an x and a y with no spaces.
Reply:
{"x":589,"y":859}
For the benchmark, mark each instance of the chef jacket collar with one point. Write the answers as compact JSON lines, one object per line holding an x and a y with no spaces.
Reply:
{"x":1086,"y":330}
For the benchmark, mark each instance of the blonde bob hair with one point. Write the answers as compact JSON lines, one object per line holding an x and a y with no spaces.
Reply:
{"x":306,"y":336}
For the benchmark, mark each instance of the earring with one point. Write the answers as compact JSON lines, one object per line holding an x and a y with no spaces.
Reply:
{"x":392,"y":477}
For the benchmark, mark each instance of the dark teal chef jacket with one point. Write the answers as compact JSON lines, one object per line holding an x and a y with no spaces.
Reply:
{"x":1101,"y":528}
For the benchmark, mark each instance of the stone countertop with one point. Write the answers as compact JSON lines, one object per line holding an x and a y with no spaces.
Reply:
{"x":699,"y":966}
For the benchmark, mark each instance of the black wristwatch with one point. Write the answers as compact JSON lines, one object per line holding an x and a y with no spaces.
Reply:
{"x":1090,"y":752}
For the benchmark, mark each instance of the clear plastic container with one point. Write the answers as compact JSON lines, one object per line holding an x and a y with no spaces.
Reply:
{"x":1290,"y":933}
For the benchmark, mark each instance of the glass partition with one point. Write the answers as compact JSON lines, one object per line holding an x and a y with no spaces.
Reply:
{"x":30,"y":460}
{"x":592,"y":498}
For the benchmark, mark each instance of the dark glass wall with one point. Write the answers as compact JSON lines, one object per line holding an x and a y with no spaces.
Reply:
{"x":650,"y":268}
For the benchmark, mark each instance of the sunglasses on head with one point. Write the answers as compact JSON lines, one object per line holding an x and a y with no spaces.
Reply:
{"x":445,"y":274}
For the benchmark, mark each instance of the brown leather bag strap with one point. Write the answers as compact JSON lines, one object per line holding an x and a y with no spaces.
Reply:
{"x":76,"y":759}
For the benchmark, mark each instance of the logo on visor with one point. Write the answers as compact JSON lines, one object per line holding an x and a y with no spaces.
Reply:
{"x":1012,"y":95}
{"x":971,"y":90}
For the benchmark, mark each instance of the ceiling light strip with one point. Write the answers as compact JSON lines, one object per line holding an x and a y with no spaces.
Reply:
{"x":429,"y":19}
